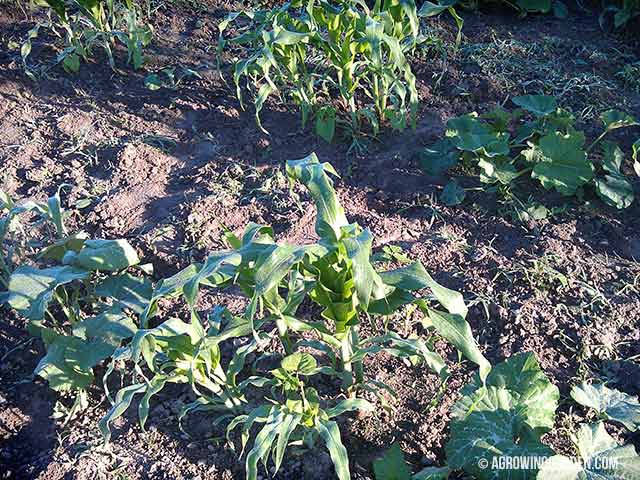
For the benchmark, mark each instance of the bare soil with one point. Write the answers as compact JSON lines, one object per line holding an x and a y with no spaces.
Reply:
{"x":171,"y":169}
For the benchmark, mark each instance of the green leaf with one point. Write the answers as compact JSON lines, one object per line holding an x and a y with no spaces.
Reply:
{"x":129,"y":291}
{"x":494,"y":430}
{"x":104,"y":255}
{"x":438,"y":158}
{"x":110,"y":327}
{"x":432,"y":473}
{"x":469,"y":133}
{"x":520,"y":375}
{"x":563,"y":162}
{"x":497,"y":170}
{"x":368,"y":283}
{"x":326,"y":123}
{"x":601,"y":458}
{"x":609,"y":403}
{"x":456,"y":330}
{"x":59,"y":248}
{"x":452,"y":194}
{"x":429,"y":9}
{"x":123,"y":399}
{"x":613,"y":119}
{"x":540,"y":105}
{"x":299,"y":362}
{"x":330,"y":433}
{"x":71,"y":63}
{"x":153,"y":81}
{"x":314,"y":175}
{"x":392,"y":465}
{"x":69,"y":360}
{"x":350,"y":405}
{"x":534,"y":6}
{"x":30,"y":290}
{"x":505,"y":416}
{"x":614,"y":188}
{"x":263,"y":442}
{"x":560,"y":9}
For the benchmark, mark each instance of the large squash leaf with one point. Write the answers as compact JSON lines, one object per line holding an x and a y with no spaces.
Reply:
{"x":609,"y":403}
{"x":601,"y":458}
{"x":505,"y":416}
{"x":563,"y":163}
{"x":537,"y":104}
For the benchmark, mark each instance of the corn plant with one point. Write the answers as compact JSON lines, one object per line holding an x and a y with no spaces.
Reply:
{"x":505,"y":145}
{"x":320,"y":51}
{"x":337,"y":276}
{"x":84,"y":24}
{"x":75,"y":294}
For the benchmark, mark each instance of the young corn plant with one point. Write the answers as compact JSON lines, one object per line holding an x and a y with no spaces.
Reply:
{"x":84,"y":24}
{"x":311,"y":53}
{"x":505,"y":145}
{"x":336,"y":275}
{"x":75,"y":294}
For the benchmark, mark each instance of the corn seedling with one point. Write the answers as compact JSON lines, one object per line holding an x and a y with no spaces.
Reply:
{"x":84,"y":24}
{"x":320,"y":51}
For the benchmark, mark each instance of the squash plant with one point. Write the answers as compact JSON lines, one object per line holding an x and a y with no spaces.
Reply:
{"x":84,"y":24}
{"x":540,"y":140}
{"x":313,"y":52}
{"x":337,"y":276}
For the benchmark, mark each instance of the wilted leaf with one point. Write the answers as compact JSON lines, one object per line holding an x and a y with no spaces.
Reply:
{"x":69,"y":360}
{"x":469,"y":133}
{"x":614,"y":188}
{"x":129,"y":291}
{"x":110,"y":327}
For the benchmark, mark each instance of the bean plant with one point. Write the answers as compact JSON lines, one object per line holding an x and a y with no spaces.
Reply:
{"x":340,"y":287}
{"x":74,"y":293}
{"x":338,"y":61}
{"x":84,"y":24}
{"x":539,"y":140}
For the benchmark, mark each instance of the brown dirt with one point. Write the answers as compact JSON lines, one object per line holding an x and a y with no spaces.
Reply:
{"x":171,"y":169}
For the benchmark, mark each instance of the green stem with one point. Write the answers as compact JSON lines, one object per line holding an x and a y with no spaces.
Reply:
{"x":597,"y":140}
{"x":284,"y":336}
{"x":357,"y":365}
{"x":347,"y":368}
